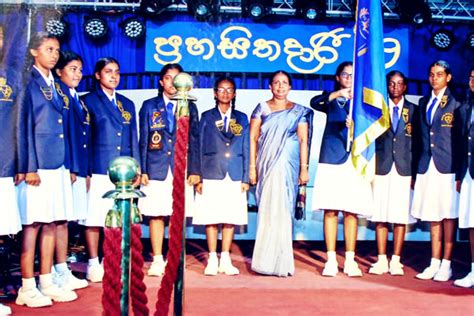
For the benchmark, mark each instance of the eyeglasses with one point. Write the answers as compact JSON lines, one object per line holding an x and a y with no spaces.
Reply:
{"x":228,"y":90}
{"x":345,"y":75}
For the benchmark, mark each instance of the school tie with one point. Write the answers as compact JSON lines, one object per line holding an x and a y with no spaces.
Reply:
{"x":430,"y":110}
{"x":395,"y":118}
{"x":55,"y":93}
{"x":76,"y":101}
{"x":225,"y":124}
{"x":170,"y":116}
{"x":114,"y":102}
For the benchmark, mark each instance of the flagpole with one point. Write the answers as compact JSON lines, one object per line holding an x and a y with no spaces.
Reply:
{"x":351,"y":104}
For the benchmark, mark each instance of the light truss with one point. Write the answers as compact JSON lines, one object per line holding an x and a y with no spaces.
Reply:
{"x":441,"y":10}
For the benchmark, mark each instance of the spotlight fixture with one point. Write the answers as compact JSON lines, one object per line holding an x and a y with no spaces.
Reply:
{"x":133,"y":28}
{"x":442,"y":39}
{"x":56,"y":27}
{"x":414,"y":11}
{"x":203,"y":9}
{"x":311,"y":10}
{"x":257,"y":9}
{"x":154,"y":7}
{"x":95,"y":28}
{"x":470,"y":41}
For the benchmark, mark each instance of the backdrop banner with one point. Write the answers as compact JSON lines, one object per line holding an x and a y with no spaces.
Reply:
{"x":252,"y":47}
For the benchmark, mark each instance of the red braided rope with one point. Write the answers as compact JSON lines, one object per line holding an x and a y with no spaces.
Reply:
{"x":137,"y":286}
{"x":176,"y":222}
{"x":111,"y":283}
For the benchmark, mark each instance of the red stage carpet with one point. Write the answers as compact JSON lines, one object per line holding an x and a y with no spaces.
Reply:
{"x":306,"y":293}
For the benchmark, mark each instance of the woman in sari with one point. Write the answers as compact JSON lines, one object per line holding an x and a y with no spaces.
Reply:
{"x":279,"y":140}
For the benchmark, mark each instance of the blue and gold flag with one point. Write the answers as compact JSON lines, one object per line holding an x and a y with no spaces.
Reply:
{"x":370,"y":113}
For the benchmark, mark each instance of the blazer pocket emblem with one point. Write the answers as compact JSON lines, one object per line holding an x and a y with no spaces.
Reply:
{"x":156,"y":121}
{"x":235,"y":128}
{"x":5,"y":90}
{"x":447,"y":120}
{"x":155,"y":141}
{"x":408,"y":129}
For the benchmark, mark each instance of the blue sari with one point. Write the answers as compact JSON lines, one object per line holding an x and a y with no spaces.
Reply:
{"x":278,"y":166}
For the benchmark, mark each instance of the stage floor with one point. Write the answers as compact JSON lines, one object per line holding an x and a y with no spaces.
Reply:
{"x":306,"y":293}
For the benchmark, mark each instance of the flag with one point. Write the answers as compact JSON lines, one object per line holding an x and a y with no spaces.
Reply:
{"x":370,"y":113}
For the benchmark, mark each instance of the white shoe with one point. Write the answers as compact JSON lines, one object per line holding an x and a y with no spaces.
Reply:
{"x":351,"y":268}
{"x":443,"y":275}
{"x":396,"y":268}
{"x":68,"y":281}
{"x":330,"y":268}
{"x":379,"y":268}
{"x":428,"y":273}
{"x":157,"y":268}
{"x":212,"y":266}
{"x":32,"y":298}
{"x":5,"y":310}
{"x":58,"y":294}
{"x":95,"y":273}
{"x":226,"y":267}
{"x":467,"y":281}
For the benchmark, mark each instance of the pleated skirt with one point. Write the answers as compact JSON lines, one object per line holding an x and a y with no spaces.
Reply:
{"x":80,"y":199}
{"x":10,"y":221}
{"x":50,"y":201}
{"x":466,"y":203}
{"x":221,"y":202}
{"x":340,"y":187}
{"x":392,"y":198}
{"x":435,"y":196}
{"x":98,"y":207}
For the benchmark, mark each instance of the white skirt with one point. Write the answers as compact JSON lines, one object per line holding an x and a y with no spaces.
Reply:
{"x":221,"y":202}
{"x":466,"y":203}
{"x":340,"y":187}
{"x":159,"y":198}
{"x":10,"y":222}
{"x":392,"y":198}
{"x":98,"y":207}
{"x":50,"y":201}
{"x":435,"y":196}
{"x":80,"y":199}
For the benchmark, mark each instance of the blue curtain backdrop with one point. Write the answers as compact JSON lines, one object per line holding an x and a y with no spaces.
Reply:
{"x":130,"y":53}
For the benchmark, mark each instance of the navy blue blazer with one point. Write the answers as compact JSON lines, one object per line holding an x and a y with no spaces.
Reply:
{"x":468,"y":138}
{"x":157,"y":141}
{"x":43,"y":135}
{"x":113,"y":132}
{"x":396,"y":147}
{"x":79,"y":126}
{"x":8,"y":106}
{"x":224,"y":152}
{"x":334,"y":142}
{"x":443,"y":139}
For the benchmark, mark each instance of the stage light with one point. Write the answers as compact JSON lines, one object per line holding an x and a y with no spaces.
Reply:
{"x":154,"y":7}
{"x":414,"y":11}
{"x":442,"y":39}
{"x":95,"y":28}
{"x":56,"y":27}
{"x":203,"y":9}
{"x":257,"y":9}
{"x":470,"y":40}
{"x":133,"y":28}
{"x":311,"y":10}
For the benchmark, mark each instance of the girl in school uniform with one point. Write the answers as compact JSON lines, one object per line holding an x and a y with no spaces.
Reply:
{"x":44,"y":158}
{"x":69,"y":71}
{"x":466,"y":205}
{"x":113,"y":129}
{"x":394,"y":168}
{"x":10,"y":223}
{"x":157,"y":139}
{"x":224,"y":155}
{"x":439,"y":167}
{"x":337,"y":186}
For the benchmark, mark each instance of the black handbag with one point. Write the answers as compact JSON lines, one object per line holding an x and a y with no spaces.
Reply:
{"x":300,"y":213}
